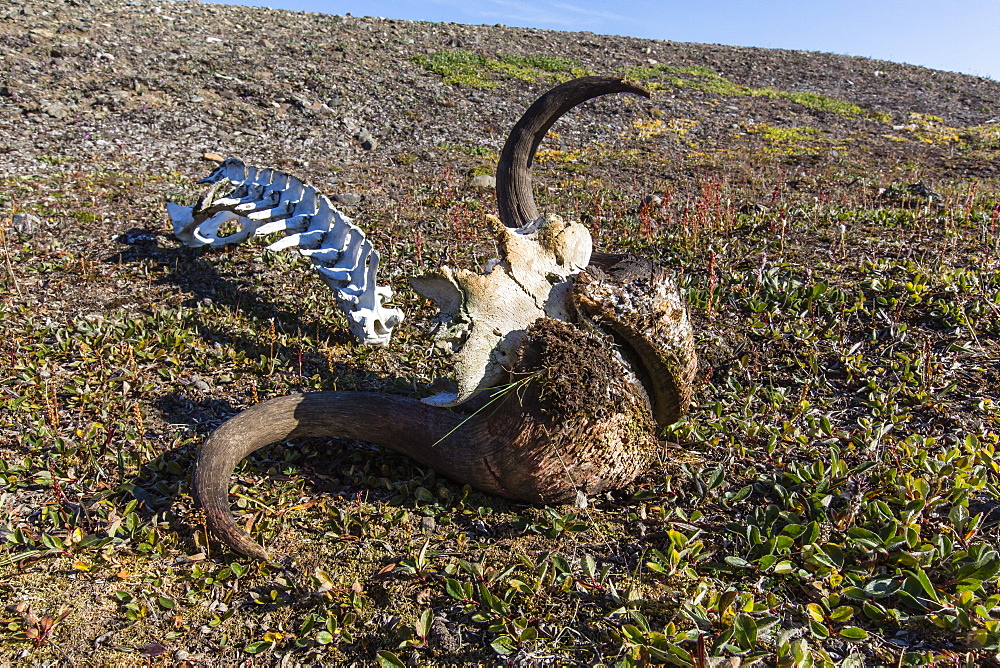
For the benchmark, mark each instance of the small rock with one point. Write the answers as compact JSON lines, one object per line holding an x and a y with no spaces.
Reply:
{"x":214,"y":157}
{"x":484,"y":181}
{"x":25,"y":223}
{"x":655,"y":200}
{"x":427,"y":524}
{"x":368,"y":142}
{"x":56,"y":110}
{"x":137,"y":236}
{"x":349,"y":199}
{"x":199,"y":384}
{"x":443,"y":636}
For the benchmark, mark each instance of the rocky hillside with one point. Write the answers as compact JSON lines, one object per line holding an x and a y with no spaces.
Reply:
{"x":161,"y":83}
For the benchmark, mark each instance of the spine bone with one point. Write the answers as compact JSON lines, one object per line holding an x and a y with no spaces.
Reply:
{"x":265,"y":201}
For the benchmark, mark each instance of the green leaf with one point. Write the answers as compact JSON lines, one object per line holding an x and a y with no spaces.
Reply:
{"x":741,"y":494}
{"x":811,"y":533}
{"x":746,"y":631}
{"x":882,"y":587}
{"x":842,"y":613}
{"x":784,"y":567}
{"x":925,"y":584}
{"x":423,"y":625}
{"x":387,"y":659}
{"x":639,"y":620}
{"x":589,"y":566}
{"x":853,"y":633}
{"x":818,"y":629}
{"x":517,"y":586}
{"x":503,"y":645}
{"x":793,"y":530}
{"x":324,"y":637}
{"x":815,"y":612}
{"x":867,"y":539}
{"x":259,"y":646}
{"x":875,"y":612}
{"x":455,"y":589}
{"x":738,"y":562}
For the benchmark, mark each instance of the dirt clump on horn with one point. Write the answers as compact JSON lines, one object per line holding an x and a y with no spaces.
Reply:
{"x":578,"y":358}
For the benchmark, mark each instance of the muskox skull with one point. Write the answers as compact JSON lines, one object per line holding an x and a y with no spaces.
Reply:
{"x":599,"y":347}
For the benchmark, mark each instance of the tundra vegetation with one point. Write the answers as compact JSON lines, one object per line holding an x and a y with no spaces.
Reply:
{"x":831,"y":499}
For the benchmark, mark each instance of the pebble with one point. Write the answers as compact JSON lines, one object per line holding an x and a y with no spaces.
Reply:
{"x":25,"y":223}
{"x":137,"y":236}
{"x":56,"y":110}
{"x":199,"y":384}
{"x":350,"y":199}
{"x":368,"y":142}
{"x":484,"y":181}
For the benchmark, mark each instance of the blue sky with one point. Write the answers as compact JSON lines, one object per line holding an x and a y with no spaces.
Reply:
{"x":953,"y":35}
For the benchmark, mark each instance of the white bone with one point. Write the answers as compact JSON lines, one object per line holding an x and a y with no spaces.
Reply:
{"x":265,"y":201}
{"x":485,"y":316}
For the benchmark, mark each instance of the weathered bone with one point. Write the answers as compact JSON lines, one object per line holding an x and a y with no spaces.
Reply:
{"x":265,"y":201}
{"x":485,"y":315}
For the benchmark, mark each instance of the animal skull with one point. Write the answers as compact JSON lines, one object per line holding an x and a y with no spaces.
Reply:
{"x":600,"y":348}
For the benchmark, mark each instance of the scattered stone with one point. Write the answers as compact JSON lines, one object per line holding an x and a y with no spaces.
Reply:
{"x":444,"y":635}
{"x":137,"y":236}
{"x":25,"y":223}
{"x":214,"y":157}
{"x":350,"y":199}
{"x":655,"y":200}
{"x":368,"y":142}
{"x":198,"y":383}
{"x":427,"y":524}
{"x":484,"y":181}
{"x":56,"y":110}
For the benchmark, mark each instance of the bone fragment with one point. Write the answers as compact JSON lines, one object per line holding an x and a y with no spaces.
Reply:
{"x":485,"y":315}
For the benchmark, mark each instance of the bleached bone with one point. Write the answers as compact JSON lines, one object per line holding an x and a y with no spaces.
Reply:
{"x":266,"y":201}
{"x":485,"y":316}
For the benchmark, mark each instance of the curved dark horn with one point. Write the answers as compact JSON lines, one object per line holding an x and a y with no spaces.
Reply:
{"x":358,"y":415}
{"x":532,"y":445}
{"x":514,"y":196}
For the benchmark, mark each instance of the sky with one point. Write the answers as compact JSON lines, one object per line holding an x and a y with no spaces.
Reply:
{"x":953,"y":35}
